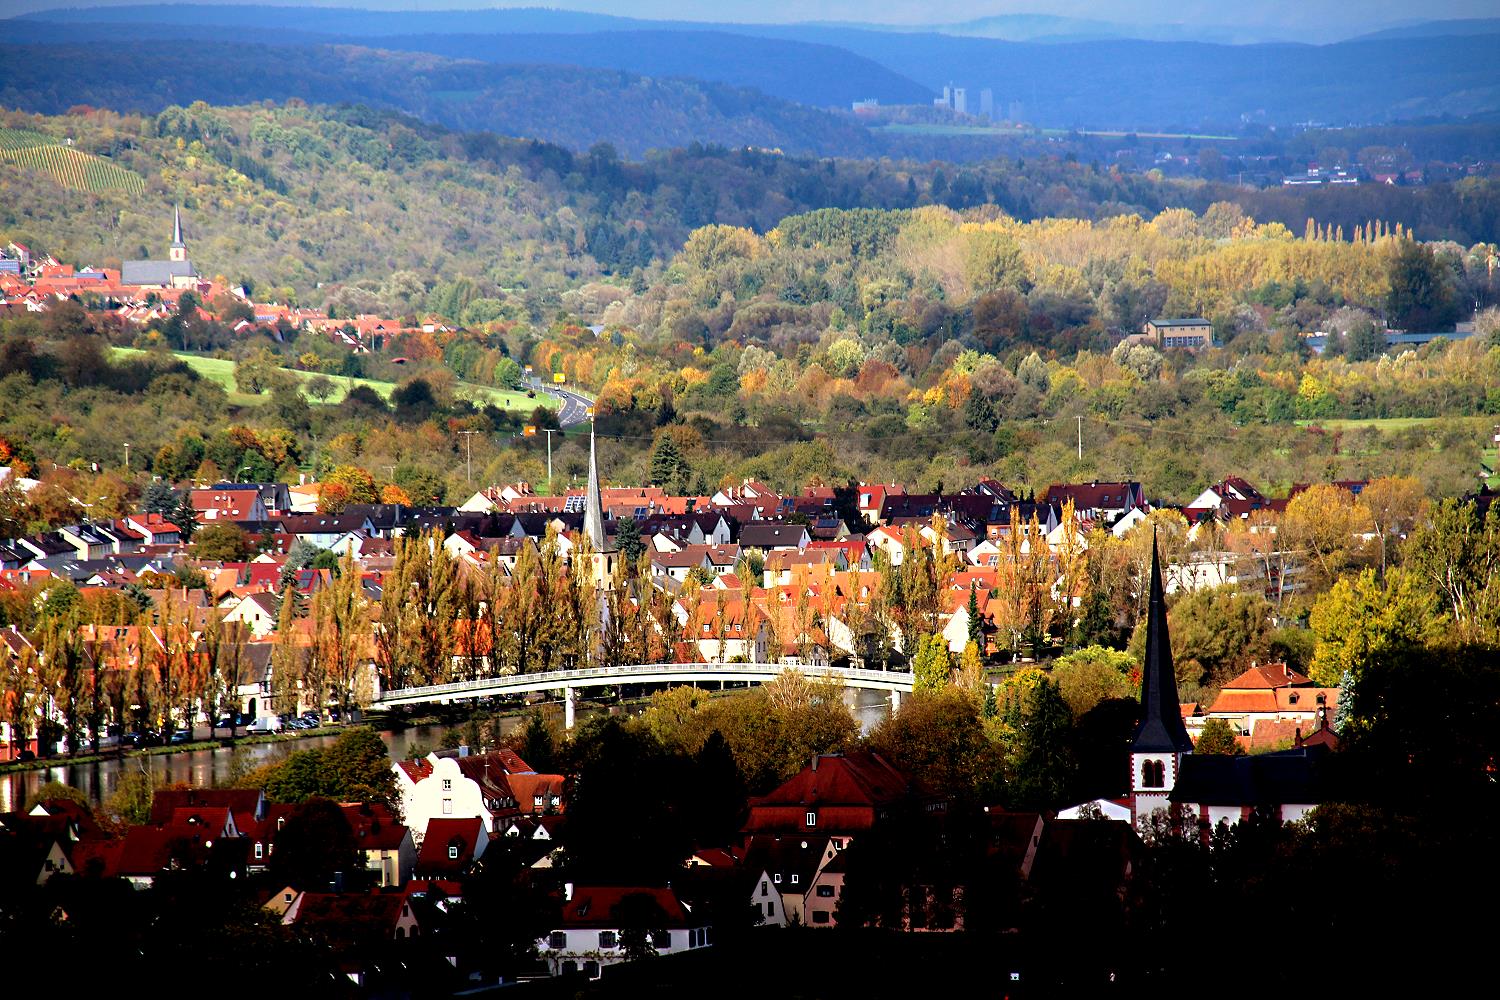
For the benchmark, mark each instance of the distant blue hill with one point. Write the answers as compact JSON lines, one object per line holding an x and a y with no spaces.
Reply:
{"x":1110,"y":84}
{"x":1437,"y":29}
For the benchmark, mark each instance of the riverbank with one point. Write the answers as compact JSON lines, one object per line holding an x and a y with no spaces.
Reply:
{"x":118,"y":753}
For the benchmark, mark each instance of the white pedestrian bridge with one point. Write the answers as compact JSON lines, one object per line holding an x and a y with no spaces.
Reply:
{"x":894,"y":682}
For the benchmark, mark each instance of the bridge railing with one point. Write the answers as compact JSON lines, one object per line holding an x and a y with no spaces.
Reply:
{"x":580,"y":675}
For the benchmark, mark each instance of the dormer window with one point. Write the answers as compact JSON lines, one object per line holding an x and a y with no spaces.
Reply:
{"x":452,"y":852}
{"x":447,"y":784}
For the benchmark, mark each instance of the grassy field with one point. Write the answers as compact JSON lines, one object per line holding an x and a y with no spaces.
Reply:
{"x":221,"y":370}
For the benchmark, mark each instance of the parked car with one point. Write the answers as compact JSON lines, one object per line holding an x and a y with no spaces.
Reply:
{"x":181,"y":736}
{"x":266,"y":724}
{"x":144,"y":738}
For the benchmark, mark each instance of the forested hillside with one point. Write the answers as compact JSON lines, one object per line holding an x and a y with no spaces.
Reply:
{"x":568,"y":105}
{"x":296,"y":197}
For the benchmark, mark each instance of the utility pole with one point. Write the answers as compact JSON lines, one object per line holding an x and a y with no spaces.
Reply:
{"x":1080,"y":437}
{"x":469,"y":455}
{"x":549,"y":434}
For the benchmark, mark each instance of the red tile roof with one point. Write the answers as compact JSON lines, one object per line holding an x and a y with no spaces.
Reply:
{"x":594,"y":906}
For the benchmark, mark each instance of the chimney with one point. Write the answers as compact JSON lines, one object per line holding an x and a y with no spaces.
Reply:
{"x":815,"y":763}
{"x":463,"y":749}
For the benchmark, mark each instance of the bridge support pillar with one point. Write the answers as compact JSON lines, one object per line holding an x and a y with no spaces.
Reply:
{"x":570,"y":707}
{"x":895,"y":701}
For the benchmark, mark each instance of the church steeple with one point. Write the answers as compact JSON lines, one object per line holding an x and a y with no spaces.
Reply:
{"x":1161,"y":729}
{"x":603,"y":554}
{"x":593,"y":511}
{"x":178,"y":251}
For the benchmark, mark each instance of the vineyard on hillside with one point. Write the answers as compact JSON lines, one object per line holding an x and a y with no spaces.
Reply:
{"x":19,"y":138}
{"x":70,"y":167}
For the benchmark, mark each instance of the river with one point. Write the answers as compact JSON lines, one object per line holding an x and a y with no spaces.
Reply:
{"x":206,"y":768}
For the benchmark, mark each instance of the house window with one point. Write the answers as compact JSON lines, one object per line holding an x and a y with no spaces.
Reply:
{"x":777,"y":878}
{"x":447,"y":784}
{"x":763,"y":887}
{"x":260,"y":850}
{"x":820,"y":916}
{"x":825,"y":891}
{"x":591,"y":969}
{"x":661,"y":939}
{"x":447,"y":807}
{"x":606,"y":939}
{"x":794,"y":880}
{"x":770,"y":909}
{"x":452,"y":852}
{"x":557,"y":940}
{"x":812,"y":818}
{"x":286,"y":897}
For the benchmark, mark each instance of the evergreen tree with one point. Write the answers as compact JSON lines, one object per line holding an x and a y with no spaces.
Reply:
{"x":668,"y":467}
{"x":628,"y":538}
{"x":976,"y":620}
{"x":1044,"y":761}
{"x":159,"y":498}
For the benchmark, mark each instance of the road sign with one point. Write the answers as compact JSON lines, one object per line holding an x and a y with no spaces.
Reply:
{"x":559,"y":378}
{"x":588,"y":411}
{"x":529,"y":431}
{"x":528,"y":369}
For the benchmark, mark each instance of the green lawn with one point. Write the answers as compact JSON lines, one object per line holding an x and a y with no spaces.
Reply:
{"x":221,"y":370}
{"x":1379,"y":423}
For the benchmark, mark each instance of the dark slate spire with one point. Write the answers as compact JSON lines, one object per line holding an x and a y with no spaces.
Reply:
{"x":177,"y":226}
{"x":1161,"y":729}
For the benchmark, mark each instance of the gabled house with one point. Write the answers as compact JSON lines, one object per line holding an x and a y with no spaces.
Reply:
{"x":1095,"y":501}
{"x":451,"y":847}
{"x":590,"y":933}
{"x":387,"y":845}
{"x":233,"y":503}
{"x":769,"y":536}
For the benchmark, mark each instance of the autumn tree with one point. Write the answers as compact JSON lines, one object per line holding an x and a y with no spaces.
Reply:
{"x":1456,"y":554}
{"x":1323,"y":523}
{"x":1362,"y":617}
{"x":1218,"y":738}
{"x":286,"y":658}
{"x":1393,"y":505}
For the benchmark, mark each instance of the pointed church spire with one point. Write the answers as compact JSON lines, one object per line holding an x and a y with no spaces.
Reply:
{"x":1161,"y":728}
{"x":593,"y":511}
{"x":177,"y":226}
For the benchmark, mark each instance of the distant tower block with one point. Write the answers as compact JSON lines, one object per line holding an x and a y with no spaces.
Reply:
{"x":961,"y":100}
{"x":987,"y":103}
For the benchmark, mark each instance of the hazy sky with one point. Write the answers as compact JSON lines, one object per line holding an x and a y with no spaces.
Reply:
{"x":1339,"y":16}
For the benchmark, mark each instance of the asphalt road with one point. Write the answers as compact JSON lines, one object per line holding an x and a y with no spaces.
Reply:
{"x":574,"y":406}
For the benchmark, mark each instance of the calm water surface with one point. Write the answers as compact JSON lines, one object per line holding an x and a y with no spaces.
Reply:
{"x":205,"y":768}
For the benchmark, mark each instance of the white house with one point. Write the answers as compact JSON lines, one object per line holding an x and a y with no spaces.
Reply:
{"x":589,"y":934}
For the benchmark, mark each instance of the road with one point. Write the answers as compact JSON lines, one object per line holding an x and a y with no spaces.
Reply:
{"x":575,"y":406}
